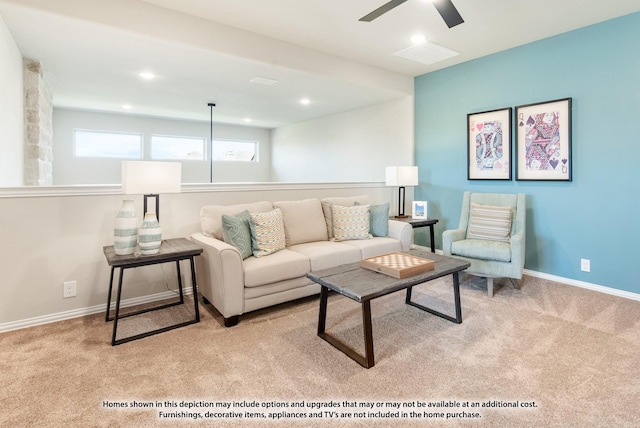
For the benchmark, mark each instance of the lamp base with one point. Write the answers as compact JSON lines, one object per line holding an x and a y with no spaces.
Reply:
{"x":402,"y":216}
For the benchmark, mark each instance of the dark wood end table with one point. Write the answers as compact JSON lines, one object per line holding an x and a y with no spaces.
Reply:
{"x":364,"y":285}
{"x":415,"y":223}
{"x":171,"y":250}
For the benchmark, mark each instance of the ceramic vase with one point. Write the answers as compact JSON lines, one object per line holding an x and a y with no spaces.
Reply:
{"x":125,"y":230}
{"x":149,"y":234}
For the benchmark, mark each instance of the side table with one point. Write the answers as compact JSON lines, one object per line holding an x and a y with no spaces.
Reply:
{"x":171,"y":250}
{"x":421,"y":223}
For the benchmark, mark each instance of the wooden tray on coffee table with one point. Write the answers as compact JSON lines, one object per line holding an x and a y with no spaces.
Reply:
{"x":398,"y":265}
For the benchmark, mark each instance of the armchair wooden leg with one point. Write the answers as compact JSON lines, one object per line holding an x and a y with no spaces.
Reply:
{"x":516,"y":283}
{"x":490,"y":286}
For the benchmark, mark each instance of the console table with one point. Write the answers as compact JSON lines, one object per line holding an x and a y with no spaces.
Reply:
{"x":421,"y":223}
{"x":171,"y":250}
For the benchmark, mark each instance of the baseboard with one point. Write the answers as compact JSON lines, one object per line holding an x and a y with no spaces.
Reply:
{"x":562,"y":280}
{"x":75,"y":313}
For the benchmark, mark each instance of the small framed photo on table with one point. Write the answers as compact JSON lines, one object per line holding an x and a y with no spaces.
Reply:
{"x":419,"y":211}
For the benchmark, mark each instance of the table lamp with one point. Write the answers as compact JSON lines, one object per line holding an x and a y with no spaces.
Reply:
{"x":402,"y":176}
{"x":150,"y":179}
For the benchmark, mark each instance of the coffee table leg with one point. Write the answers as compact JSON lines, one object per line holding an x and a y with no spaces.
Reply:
{"x":456,"y":298}
{"x":367,"y":360}
{"x":322,"y":317}
{"x":368,"y":334}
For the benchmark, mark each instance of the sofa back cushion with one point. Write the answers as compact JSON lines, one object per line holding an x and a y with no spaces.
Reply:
{"x":303,"y":221}
{"x":211,"y":215}
{"x":345,"y":201}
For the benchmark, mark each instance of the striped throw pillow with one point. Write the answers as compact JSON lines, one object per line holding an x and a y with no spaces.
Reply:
{"x":267,"y":232}
{"x":350,"y":222}
{"x":489,"y":222}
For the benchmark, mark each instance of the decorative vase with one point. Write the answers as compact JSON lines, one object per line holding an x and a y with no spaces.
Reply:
{"x":150,"y":234}
{"x":125,"y":230}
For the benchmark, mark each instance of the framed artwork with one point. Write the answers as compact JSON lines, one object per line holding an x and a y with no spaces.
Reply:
{"x":543,"y":142}
{"x":419,"y":211}
{"x":489,"y":145}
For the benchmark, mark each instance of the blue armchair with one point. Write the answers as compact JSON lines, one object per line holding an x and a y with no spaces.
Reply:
{"x":491,"y":236}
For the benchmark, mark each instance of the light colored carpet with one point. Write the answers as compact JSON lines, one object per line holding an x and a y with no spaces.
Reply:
{"x":573,"y":352}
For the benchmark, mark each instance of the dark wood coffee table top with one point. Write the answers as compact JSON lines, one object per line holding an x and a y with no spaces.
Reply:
{"x":362,"y":284}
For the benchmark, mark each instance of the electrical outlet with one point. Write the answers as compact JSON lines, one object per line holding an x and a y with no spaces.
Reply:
{"x":69,"y":289}
{"x":585,"y":265}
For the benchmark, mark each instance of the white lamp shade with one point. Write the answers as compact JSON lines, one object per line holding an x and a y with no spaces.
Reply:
{"x":402,"y":176}
{"x":145,"y":177}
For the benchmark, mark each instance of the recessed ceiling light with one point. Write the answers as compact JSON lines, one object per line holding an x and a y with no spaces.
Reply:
{"x":147,"y":75}
{"x":418,"y":38}
{"x":247,"y":119}
{"x":305,"y":101}
{"x":126,"y":106}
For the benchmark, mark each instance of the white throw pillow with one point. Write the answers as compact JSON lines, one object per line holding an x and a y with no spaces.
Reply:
{"x":350,"y":222}
{"x":267,"y":232}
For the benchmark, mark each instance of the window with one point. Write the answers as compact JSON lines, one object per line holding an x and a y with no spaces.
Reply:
{"x":234,"y":150}
{"x":101,"y":144}
{"x":177,"y":148}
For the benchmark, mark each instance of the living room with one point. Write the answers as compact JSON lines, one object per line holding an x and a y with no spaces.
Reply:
{"x":57,"y":235}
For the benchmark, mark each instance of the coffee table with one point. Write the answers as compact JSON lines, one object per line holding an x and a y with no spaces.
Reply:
{"x":364,"y":285}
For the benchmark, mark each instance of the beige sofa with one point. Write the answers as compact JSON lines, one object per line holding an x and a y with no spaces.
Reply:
{"x":235,"y":286}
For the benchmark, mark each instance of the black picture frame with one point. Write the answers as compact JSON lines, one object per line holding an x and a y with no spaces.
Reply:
{"x":543,"y":141}
{"x":489,"y":145}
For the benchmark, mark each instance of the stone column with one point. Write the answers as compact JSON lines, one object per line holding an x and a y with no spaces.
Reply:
{"x":38,"y":126}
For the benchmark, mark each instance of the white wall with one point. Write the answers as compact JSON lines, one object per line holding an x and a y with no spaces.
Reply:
{"x":47,"y":240}
{"x":11,"y":110}
{"x":68,"y":170}
{"x":352,"y":146}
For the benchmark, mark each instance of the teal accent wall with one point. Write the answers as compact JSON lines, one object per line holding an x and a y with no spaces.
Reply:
{"x":595,"y":216}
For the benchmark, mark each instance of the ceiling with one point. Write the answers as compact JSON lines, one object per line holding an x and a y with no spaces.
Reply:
{"x":205,"y":51}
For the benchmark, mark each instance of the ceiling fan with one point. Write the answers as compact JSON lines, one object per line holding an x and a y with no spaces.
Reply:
{"x":445,"y":7}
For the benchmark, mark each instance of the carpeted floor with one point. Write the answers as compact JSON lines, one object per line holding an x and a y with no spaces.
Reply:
{"x":563,"y":356}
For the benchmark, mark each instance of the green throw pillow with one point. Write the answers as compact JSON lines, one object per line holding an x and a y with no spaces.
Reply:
{"x":236,"y":232}
{"x":379,"y":219}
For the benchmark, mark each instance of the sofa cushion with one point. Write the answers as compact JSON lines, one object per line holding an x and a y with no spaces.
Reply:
{"x":279,"y":266}
{"x":483,"y":250}
{"x":344,"y":201}
{"x":237,"y":232}
{"x":376,"y":246}
{"x":327,"y":254}
{"x":211,"y":215}
{"x":350,"y":222}
{"x":303,"y":221}
{"x":490,"y":222}
{"x":267,"y":232}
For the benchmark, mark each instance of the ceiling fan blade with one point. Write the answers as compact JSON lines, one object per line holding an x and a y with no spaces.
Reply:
{"x":448,"y":12}
{"x":381,"y":10}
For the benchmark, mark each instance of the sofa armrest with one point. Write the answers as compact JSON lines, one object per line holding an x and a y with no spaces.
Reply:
{"x":220,"y":275}
{"x":449,"y":237}
{"x":401,"y":231}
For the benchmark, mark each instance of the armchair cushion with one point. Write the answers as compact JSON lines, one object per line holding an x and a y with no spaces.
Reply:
{"x":482,"y":249}
{"x":489,"y":222}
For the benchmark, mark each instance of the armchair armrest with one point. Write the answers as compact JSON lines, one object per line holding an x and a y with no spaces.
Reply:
{"x":517,"y":251}
{"x":401,"y":231}
{"x":220,"y":275}
{"x":451,"y":236}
